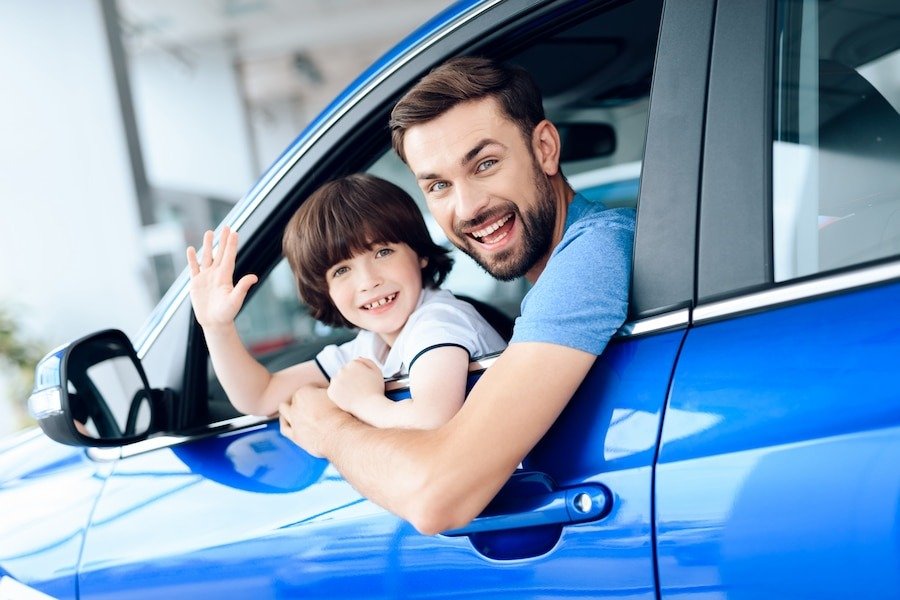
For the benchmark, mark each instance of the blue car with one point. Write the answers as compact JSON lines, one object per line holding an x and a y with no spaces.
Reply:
{"x":739,"y":438}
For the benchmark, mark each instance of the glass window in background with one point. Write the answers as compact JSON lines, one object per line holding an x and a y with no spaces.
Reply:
{"x":836,"y":151}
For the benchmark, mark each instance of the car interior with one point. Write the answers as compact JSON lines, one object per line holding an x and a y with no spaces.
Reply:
{"x":837,"y":147}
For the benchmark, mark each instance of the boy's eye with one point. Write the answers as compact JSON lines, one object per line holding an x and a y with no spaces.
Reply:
{"x":340,"y":271}
{"x":382,"y":252}
{"x":485,"y":165}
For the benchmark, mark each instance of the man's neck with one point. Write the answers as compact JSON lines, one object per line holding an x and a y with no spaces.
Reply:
{"x":563,"y":195}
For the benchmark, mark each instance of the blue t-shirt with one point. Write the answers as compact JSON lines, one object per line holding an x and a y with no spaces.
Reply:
{"x":581,"y":298}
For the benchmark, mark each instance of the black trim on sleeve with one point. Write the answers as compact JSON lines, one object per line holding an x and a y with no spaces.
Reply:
{"x":416,"y":357}
{"x":321,"y":368}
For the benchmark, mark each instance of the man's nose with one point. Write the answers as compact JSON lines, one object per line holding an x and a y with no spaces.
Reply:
{"x":470,"y":201}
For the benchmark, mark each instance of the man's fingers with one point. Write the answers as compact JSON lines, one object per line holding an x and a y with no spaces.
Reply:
{"x":285,"y":426}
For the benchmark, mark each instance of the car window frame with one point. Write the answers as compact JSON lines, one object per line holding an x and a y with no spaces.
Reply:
{"x":735,"y":267}
{"x":337,"y":150}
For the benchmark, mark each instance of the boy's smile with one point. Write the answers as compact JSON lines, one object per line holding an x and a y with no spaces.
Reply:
{"x":378,"y":289}
{"x":380,"y":303}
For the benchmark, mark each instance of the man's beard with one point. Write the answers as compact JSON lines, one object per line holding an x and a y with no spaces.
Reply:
{"x":537,"y":233}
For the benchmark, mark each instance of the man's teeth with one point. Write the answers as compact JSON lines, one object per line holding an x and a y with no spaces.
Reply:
{"x":491,"y":228}
{"x":381,"y":302}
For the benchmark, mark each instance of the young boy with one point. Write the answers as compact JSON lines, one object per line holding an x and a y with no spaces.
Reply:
{"x":363,"y":258}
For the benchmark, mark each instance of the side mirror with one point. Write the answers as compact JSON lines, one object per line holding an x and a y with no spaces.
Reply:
{"x":93,"y":392}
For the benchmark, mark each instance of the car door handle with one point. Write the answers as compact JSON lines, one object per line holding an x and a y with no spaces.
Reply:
{"x":514,"y":508}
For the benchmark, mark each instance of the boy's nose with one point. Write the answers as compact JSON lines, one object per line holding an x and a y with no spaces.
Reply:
{"x":369,"y":279}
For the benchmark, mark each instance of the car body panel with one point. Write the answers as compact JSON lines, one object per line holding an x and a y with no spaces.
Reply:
{"x":47,"y":494}
{"x":779,"y":467}
{"x":247,"y":513}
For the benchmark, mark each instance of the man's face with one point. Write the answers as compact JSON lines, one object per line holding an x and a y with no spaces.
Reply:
{"x":484,"y":186}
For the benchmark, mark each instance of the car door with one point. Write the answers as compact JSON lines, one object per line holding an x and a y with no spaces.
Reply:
{"x":226,"y":506}
{"x":779,"y":464}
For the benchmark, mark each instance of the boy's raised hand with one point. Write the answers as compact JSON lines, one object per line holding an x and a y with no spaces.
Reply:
{"x":216,"y":299}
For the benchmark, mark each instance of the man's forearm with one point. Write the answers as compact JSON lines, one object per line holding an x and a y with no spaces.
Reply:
{"x":369,"y":457}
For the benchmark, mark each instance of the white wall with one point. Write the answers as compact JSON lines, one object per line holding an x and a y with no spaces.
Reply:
{"x":70,"y":249}
{"x":187,"y":102}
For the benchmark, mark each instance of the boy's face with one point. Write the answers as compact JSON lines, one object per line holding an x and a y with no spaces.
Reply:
{"x":484,"y":186}
{"x":378,"y":289}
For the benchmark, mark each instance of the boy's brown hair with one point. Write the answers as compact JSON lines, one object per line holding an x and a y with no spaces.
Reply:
{"x":348,"y":216}
{"x":464,"y":79}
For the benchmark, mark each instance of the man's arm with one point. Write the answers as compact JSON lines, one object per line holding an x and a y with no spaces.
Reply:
{"x":443,"y":478}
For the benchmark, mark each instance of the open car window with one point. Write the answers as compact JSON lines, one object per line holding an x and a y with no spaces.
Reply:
{"x":595,"y":76}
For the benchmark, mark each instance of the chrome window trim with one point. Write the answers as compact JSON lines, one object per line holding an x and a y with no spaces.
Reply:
{"x":339,"y":113}
{"x":677,"y":319}
{"x":793,"y":292}
{"x":243,"y":424}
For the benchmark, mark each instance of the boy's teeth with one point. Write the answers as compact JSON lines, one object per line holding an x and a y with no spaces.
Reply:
{"x":381,"y":302}
{"x":491,"y":228}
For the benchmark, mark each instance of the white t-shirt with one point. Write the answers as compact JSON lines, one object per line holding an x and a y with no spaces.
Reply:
{"x":439,"y":319}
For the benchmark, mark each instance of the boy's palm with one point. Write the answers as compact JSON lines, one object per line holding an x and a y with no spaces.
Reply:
{"x":216,"y":300}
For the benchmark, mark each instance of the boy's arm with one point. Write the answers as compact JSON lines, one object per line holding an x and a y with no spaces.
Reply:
{"x":442,"y":478}
{"x":216,"y":302}
{"x":250,"y":387}
{"x":437,"y":386}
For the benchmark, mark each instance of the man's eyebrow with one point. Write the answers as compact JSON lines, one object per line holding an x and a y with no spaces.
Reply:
{"x":481,"y":145}
{"x":467,"y":158}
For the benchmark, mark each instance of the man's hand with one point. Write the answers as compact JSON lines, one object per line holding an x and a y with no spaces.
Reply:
{"x":214,"y":296}
{"x":309,"y":418}
{"x":357,"y":380}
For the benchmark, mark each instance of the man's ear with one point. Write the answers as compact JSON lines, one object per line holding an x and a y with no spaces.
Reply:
{"x":546,"y":146}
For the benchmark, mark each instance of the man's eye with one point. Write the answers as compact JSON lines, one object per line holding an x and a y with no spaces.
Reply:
{"x":486,"y":164}
{"x":438,"y":186}
{"x":384,"y":252}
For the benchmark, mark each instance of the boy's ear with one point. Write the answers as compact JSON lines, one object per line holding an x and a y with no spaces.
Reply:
{"x":423,"y":262}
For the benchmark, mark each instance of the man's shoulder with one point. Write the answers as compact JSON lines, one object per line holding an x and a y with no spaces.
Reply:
{"x":597,"y":232}
{"x":611,"y":218}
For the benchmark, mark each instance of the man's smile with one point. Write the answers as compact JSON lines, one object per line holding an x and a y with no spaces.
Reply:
{"x":493,"y":232}
{"x":483,"y":233}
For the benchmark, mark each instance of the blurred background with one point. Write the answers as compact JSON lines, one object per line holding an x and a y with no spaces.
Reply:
{"x":129,"y":127}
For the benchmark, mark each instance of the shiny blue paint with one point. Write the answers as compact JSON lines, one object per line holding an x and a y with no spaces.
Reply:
{"x":779,"y":469}
{"x":249,"y":514}
{"x":47,"y":493}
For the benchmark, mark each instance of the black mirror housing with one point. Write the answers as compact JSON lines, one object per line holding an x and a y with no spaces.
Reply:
{"x":69,"y":386}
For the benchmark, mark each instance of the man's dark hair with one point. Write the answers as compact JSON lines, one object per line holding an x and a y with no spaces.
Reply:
{"x":348,"y":216}
{"x":464,"y":79}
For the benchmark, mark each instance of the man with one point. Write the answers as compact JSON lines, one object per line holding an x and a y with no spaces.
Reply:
{"x":474,"y":134}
